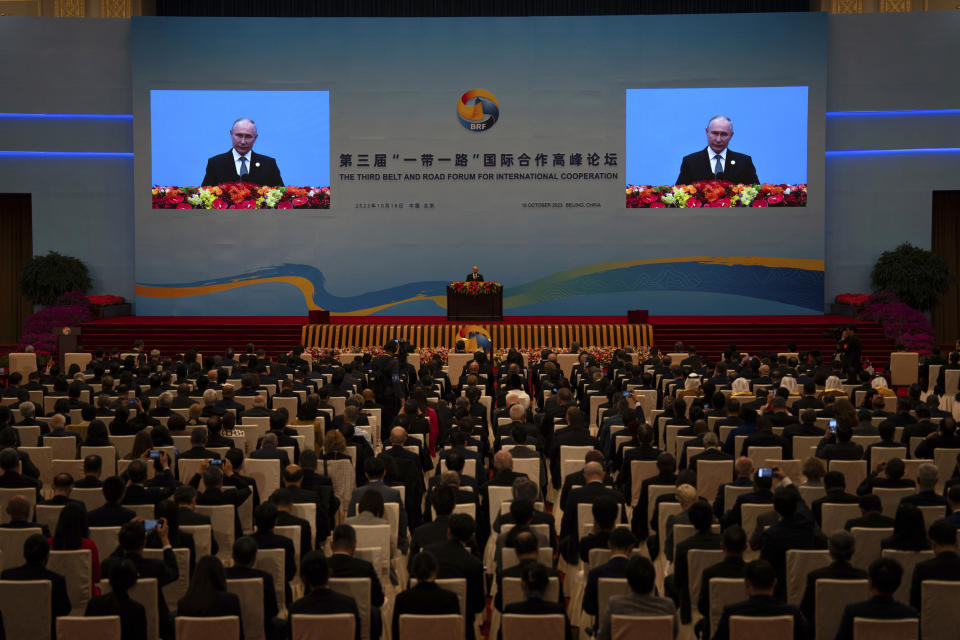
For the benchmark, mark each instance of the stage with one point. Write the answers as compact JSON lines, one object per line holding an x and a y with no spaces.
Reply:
{"x":278,"y":334}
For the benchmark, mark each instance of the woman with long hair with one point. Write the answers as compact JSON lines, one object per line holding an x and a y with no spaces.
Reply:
{"x":909,"y":530}
{"x":178,"y":539}
{"x":142,"y":444}
{"x":97,"y":435}
{"x":73,"y":533}
{"x":334,"y":446}
{"x":133,"y":616}
{"x":207,"y":596}
{"x":121,"y":425}
{"x":195,"y":418}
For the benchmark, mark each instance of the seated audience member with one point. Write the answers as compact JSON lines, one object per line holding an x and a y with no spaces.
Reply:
{"x":604,"y":512}
{"x":892,"y":477}
{"x":885,"y":575}
{"x":244,"y":556}
{"x":701,"y":517}
{"x":871,"y":510}
{"x":19,"y":508}
{"x":426,"y":597}
{"x":73,"y":533}
{"x":945,"y":565}
{"x":112,"y":513}
{"x":734,"y":543}
{"x":92,"y":468}
{"x":265,"y":519}
{"x":841,"y":545}
{"x":454,"y":560}
{"x":589,"y":493}
{"x":133,"y":617}
{"x":641,"y":600}
{"x":835,"y":484}
{"x":926,"y":495}
{"x":207,"y":596}
{"x":761,"y":579}
{"x":343,"y":564}
{"x":179,"y":539}
{"x":909,"y":530}
{"x":319,"y":598}
{"x":534,"y":581}
{"x":621,"y":545}
{"x":36,"y":552}
{"x":527,"y":550}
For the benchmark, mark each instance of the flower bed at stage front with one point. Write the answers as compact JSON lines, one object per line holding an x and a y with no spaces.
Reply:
{"x":474,"y":288}
{"x":716,"y":194}
{"x":241,"y":195}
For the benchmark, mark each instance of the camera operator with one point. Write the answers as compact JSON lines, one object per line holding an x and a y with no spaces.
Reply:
{"x":849,"y":349}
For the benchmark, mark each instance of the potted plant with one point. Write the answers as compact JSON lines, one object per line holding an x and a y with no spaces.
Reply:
{"x":43,"y":279}
{"x":917,"y":277}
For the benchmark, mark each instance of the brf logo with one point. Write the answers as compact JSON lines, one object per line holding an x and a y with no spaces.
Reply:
{"x":478,"y":110}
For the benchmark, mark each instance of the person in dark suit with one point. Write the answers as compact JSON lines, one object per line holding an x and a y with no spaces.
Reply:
{"x":527,"y":549}
{"x":621,"y":544}
{"x":198,"y":446}
{"x":244,"y":556}
{"x":138,"y":493}
{"x":92,"y":468}
{"x":12,"y":477}
{"x":795,"y":530}
{"x":111,"y":514}
{"x":19,"y":508}
{"x":133,"y":538}
{"x":320,"y":599}
{"x":733,"y":543}
{"x":711,"y":451}
{"x":534,"y":581}
{"x":426,"y":598}
{"x":701,"y":517}
{"x":207,"y":596}
{"x":133,"y":616}
{"x":945,"y":565}
{"x":343,"y":564}
{"x":283,"y":500}
{"x":885,"y":575}
{"x":841,"y":545}
{"x":265,"y":519}
{"x":474,"y":275}
{"x":575,"y":434}
{"x":36,"y":551}
{"x":241,"y":164}
{"x":761,"y":579}
{"x":588,"y":494}
{"x":454,"y":560}
{"x":835,"y":484}
{"x":871,"y":514}
{"x":213,"y":493}
{"x":374,"y":471}
{"x":717,"y":162}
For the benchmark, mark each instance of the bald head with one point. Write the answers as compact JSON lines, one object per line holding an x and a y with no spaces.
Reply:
{"x":57,"y":422}
{"x":398,"y":435}
{"x":516,"y":413}
{"x":502,"y":460}
{"x":743,"y":467}
{"x":593,"y":472}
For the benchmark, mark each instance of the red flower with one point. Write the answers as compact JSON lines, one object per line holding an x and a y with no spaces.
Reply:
{"x":285,"y":204}
{"x":776,"y":198}
{"x":722,"y":202}
{"x":658,"y":205}
{"x":175,"y":198}
{"x":299,"y":201}
{"x":693,"y":203}
{"x":759,"y":202}
{"x":247,"y":204}
{"x":184,"y":205}
{"x":219,"y":204}
{"x":650,"y":197}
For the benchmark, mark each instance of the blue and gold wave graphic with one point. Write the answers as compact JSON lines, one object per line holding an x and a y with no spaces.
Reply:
{"x":795,"y":282}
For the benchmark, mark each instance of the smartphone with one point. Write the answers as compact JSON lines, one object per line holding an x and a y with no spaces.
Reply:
{"x":833,"y":426}
{"x":627,"y":394}
{"x":765,"y":472}
{"x":554,"y":390}
{"x":150,"y":525}
{"x":216,"y":461}
{"x":155,"y":454}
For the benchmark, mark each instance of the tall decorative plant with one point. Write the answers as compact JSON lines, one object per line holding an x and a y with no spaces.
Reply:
{"x":43,"y":279}
{"x":916,"y":276}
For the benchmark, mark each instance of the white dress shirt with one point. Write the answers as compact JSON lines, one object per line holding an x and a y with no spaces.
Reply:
{"x":713,"y":161}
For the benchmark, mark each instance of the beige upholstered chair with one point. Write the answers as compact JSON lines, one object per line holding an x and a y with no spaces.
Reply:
{"x":855,"y":471}
{"x":647,"y":627}
{"x":524,"y":627}
{"x":93,"y":628}
{"x":607,"y":588}
{"x":939,"y":612}
{"x":106,"y":538}
{"x":11,"y":544}
{"x":359,"y":590}
{"x":830,"y":598}
{"x":724,"y":591}
{"x":218,"y":628}
{"x":800,"y":562}
{"x":92,"y":498}
{"x":835,"y":515}
{"x":75,"y":567}
{"x":873,"y":629}
{"x":890,"y":498}
{"x":222,"y":522}
{"x":340,"y":626}
{"x":26,"y":607}
{"x":908,"y":560}
{"x":697,"y":561}
{"x":266,"y":473}
{"x":178,"y":588}
{"x":250,"y":593}
{"x":202,"y":538}
{"x":710,"y":475}
{"x":761,"y":628}
{"x":867,"y":545}
{"x":273,"y":561}
{"x":448,"y":627}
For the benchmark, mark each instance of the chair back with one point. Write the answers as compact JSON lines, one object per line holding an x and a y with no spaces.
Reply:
{"x":749,"y":514}
{"x":522,"y":627}
{"x":42,"y":457}
{"x":855,"y":471}
{"x":11,"y":545}
{"x":653,"y":492}
{"x":146,"y":593}
{"x":800,"y":562}
{"x":359,"y":590}
{"x":26,"y":606}
{"x":124,"y":444}
{"x":376,"y":536}
{"x":92,"y":498}
{"x":266,"y":473}
{"x":585,"y":518}
{"x":831,"y":597}
{"x":307,"y":511}
{"x":107,"y":454}
{"x":497,"y":496}
{"x":697,"y":561}
{"x":344,"y":477}
{"x":647,"y":627}
{"x":217,"y":628}
{"x":338,"y":626}
{"x":732,"y":492}
{"x":932,"y":513}
{"x":178,"y":588}
{"x":710,"y":475}
{"x":833,"y":516}
{"x":273,"y":561}
{"x":202,"y":538}
{"x":883,"y":454}
{"x":106,"y":538}
{"x":222,"y":522}
{"x":890,"y":498}
{"x":29,"y":435}
{"x":448,"y":627}
{"x":810,"y":494}
{"x":48,"y":514}
{"x":758,"y":628}
{"x":876,"y":629}
{"x":528,"y":466}
{"x":250,"y":593}
{"x":607,"y":588}
{"x":291,"y":532}
{"x":76,"y":568}
{"x":92,"y":628}
{"x":64,"y":447}
{"x":513,"y":590}
{"x":939,"y":614}
{"x":760,"y":455}
{"x":867,"y":545}
{"x":143,"y":511}
{"x":908,"y":560}
{"x":73,"y":466}
{"x":724,"y":591}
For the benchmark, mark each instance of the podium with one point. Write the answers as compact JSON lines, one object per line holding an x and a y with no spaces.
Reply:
{"x":464,"y":306}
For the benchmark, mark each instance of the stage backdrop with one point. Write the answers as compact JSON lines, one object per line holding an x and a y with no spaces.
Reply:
{"x":496,"y":142}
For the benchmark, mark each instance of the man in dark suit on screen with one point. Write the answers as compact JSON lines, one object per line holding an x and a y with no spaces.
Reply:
{"x":717,"y":162}
{"x":241,"y":164}
{"x":474,"y":275}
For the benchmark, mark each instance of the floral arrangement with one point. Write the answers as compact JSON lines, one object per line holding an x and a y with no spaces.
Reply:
{"x":852,"y":299}
{"x":903,"y":324}
{"x":474,"y":288}
{"x":104,"y":301}
{"x":38,"y":331}
{"x":716,"y":193}
{"x":241,"y":195}
{"x":427,"y":354}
